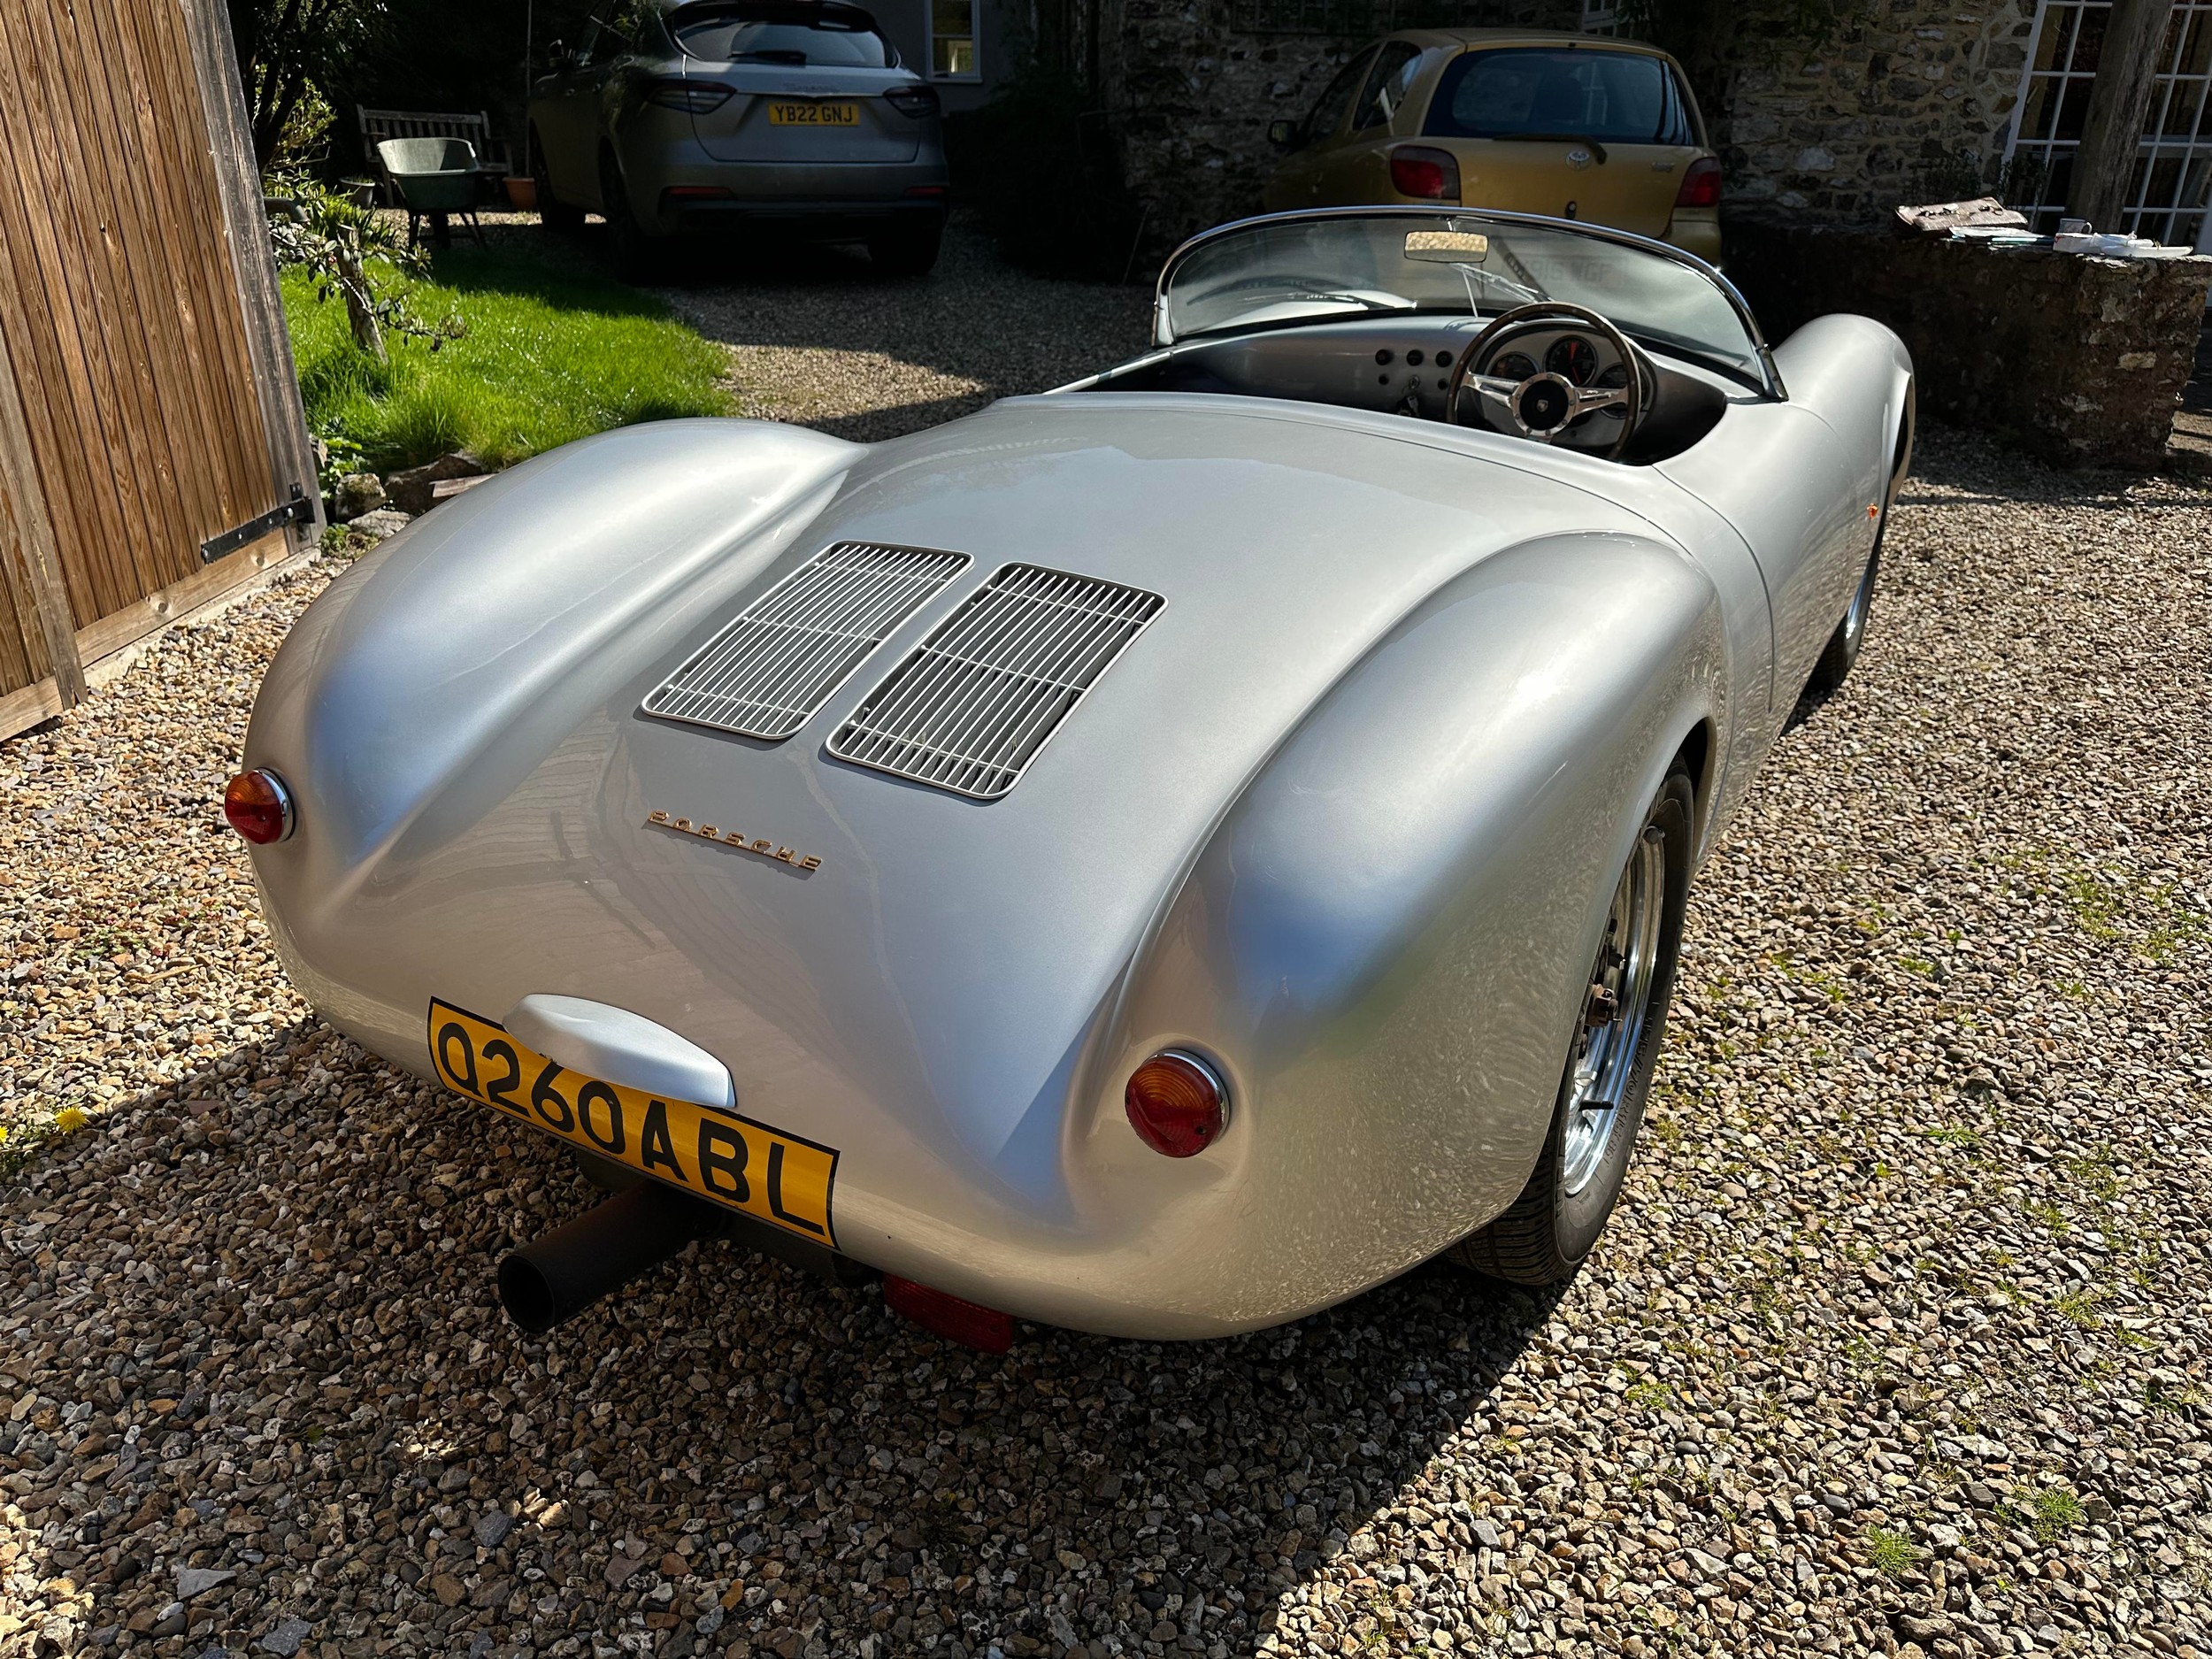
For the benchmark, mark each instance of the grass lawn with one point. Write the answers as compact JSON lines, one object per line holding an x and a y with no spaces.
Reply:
{"x":554,"y":351}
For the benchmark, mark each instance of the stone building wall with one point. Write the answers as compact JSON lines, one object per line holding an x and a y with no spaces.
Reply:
{"x":1909,"y":101}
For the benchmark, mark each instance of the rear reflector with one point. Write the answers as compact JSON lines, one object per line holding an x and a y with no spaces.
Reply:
{"x":1432,"y":175}
{"x":696,"y":193}
{"x":925,"y":190}
{"x":947,"y":1315}
{"x":258,"y":806}
{"x":1700,"y":185}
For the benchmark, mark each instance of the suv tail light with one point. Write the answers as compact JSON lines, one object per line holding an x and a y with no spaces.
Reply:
{"x":1430,"y":174}
{"x":1700,"y":185}
{"x":694,"y":98}
{"x":912,"y":99}
{"x":941,"y":1312}
{"x":1176,"y":1103}
{"x":258,"y":806}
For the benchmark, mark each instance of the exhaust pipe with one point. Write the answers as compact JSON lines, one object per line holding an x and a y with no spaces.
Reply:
{"x":558,"y":1277}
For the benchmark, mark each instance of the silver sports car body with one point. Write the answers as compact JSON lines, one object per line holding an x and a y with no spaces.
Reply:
{"x":1159,"y":856}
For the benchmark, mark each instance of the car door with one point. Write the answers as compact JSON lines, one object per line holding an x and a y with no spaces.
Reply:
{"x":1298,"y":181}
{"x":1355,"y":169}
{"x":1604,"y":134}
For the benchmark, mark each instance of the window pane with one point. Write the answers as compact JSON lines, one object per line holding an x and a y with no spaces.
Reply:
{"x":952,"y":36}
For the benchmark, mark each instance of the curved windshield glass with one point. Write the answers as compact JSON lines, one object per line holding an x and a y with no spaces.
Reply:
{"x":1274,"y":274}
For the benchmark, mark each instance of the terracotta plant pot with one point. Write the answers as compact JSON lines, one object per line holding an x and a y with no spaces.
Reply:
{"x":522,"y":191}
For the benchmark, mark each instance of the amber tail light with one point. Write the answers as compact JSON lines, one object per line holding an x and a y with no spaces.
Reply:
{"x":1700,"y":185}
{"x":258,"y":806}
{"x":947,"y":1315}
{"x":1176,"y":1103}
{"x":1433,"y":175}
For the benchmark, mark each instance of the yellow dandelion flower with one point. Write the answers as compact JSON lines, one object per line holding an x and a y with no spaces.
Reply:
{"x":3,"y":1134}
{"x":69,"y":1119}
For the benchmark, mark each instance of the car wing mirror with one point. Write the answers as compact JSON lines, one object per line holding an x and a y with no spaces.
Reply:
{"x":1283,"y":135}
{"x":557,"y":57}
{"x":1447,"y":246}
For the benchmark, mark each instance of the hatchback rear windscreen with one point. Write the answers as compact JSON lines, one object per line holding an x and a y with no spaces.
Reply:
{"x":1561,"y":92}
{"x":836,"y":36}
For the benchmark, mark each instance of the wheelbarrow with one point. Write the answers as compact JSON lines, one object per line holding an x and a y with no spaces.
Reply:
{"x":435,"y":177}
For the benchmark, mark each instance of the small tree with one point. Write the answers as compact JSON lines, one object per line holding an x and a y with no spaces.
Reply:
{"x":333,"y":238}
{"x":288,"y":49}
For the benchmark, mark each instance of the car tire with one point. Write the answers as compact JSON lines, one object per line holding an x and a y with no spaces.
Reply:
{"x":906,"y":252}
{"x":1843,"y":650}
{"x":553,"y":213}
{"x":1545,"y":1234}
{"x":637,"y":256}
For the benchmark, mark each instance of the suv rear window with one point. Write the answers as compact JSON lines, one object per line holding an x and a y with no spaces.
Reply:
{"x":766,"y":32}
{"x":1562,"y":92}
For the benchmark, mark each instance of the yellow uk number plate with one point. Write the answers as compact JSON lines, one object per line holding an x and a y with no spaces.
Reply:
{"x":703,"y":1149}
{"x":814,"y":114}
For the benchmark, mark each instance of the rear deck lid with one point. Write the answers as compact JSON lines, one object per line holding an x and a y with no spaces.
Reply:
{"x":808,"y":82}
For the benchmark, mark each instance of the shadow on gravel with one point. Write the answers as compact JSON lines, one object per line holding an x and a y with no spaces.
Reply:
{"x":257,"y":1314}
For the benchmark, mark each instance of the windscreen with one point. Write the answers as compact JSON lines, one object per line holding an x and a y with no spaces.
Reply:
{"x":1560,"y":92}
{"x":839,"y":36}
{"x":1291,"y":271}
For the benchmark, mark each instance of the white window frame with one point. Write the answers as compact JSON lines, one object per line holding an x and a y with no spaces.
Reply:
{"x":975,"y":37}
{"x":2176,"y":99}
{"x":1602,"y":17}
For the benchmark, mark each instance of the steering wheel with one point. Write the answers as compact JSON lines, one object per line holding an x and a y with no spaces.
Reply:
{"x":1544,"y":405}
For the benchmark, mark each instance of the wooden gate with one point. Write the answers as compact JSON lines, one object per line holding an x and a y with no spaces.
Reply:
{"x":152,"y":448}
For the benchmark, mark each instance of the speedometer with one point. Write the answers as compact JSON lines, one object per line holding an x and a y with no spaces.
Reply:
{"x":1574,"y":358}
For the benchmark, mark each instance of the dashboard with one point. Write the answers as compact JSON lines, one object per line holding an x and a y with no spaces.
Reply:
{"x":1402,"y":366}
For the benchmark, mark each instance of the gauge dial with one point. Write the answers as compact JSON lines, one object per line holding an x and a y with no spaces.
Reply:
{"x":1574,"y":358}
{"x":1514,"y":366}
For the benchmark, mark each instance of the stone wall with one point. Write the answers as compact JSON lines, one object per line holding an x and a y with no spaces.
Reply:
{"x":2081,"y":361}
{"x":1908,"y":101}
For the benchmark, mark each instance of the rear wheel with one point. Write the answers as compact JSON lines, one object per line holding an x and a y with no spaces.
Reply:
{"x":908,"y":250}
{"x":555,"y":214}
{"x":1843,"y":650}
{"x":637,"y":256}
{"x":1546,"y":1232}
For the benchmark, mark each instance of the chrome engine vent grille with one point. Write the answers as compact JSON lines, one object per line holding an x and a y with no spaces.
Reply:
{"x":766,"y":674}
{"x":971,"y":708}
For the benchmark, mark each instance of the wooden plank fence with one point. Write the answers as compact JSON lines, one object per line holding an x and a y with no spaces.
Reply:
{"x":148,"y":404}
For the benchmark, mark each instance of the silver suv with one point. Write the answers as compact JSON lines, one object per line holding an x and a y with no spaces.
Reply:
{"x":677,"y":115}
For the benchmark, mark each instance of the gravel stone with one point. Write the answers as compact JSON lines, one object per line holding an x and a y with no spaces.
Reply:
{"x":1897,"y":1342}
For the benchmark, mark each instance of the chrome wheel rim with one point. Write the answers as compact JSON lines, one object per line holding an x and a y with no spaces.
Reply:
{"x":1615,"y":1010}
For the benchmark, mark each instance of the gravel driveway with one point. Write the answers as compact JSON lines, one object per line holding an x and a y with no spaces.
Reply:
{"x":1898,"y":1344}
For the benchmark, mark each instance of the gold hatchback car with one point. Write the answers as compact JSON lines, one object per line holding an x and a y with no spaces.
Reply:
{"x":1571,"y":125}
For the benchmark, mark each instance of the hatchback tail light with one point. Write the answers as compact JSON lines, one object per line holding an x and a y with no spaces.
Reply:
{"x":912,"y":99}
{"x":1430,"y":174}
{"x":946,"y":1315}
{"x":258,"y":806}
{"x":694,"y":98}
{"x":1176,"y":1103}
{"x":1700,"y":185}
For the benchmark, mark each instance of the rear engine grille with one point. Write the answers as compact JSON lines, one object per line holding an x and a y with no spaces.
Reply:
{"x":971,"y":708}
{"x":766,"y":674}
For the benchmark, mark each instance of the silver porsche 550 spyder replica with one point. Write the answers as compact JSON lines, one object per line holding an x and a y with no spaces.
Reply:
{"x":1159,"y":856}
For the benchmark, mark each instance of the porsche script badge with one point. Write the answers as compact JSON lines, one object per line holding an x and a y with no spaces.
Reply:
{"x":732,"y":838}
